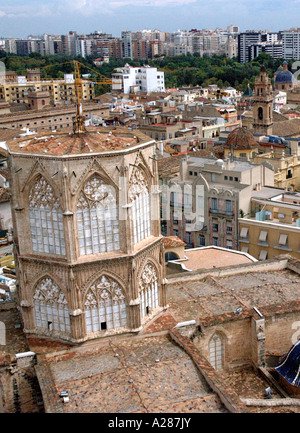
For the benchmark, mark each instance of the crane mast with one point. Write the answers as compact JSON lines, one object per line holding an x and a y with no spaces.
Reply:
{"x":78,"y":124}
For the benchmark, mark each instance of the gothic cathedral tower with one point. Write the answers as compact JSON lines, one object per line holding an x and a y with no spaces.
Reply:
{"x":262,"y":102}
{"x":88,"y":248}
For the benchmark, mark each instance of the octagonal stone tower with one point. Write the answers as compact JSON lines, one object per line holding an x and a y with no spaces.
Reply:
{"x":88,"y":248}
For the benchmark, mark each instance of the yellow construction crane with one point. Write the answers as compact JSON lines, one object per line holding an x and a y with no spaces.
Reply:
{"x":79,"y":121}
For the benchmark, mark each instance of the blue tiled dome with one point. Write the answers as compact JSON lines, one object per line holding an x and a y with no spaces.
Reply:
{"x":289,"y":368}
{"x":284,"y":77}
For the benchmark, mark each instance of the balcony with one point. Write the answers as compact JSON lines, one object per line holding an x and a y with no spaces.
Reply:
{"x":222,"y":212}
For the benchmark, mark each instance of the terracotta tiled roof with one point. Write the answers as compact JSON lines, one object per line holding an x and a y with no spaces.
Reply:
{"x":287,"y":128}
{"x":172,"y":241}
{"x":67,"y":143}
{"x":241,"y":138}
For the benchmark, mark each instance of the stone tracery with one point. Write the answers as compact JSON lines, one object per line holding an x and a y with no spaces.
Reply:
{"x":51,"y":307}
{"x":97,"y":217}
{"x":46,"y":221}
{"x":148,"y":289}
{"x":139,"y":197}
{"x":105,"y":305}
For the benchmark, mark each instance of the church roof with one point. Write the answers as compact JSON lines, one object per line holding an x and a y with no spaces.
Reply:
{"x":248,"y":91}
{"x":240,"y":138}
{"x":284,"y":77}
{"x":289,"y":368}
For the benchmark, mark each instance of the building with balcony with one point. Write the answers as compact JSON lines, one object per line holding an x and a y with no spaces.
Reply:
{"x":202,"y":204}
{"x":273,"y":225}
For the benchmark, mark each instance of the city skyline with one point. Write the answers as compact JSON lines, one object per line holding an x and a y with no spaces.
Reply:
{"x":85,"y":16}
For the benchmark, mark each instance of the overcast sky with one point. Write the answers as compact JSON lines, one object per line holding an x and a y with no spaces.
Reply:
{"x":21,"y":18}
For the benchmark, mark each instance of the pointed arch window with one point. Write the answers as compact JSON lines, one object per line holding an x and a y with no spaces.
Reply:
{"x":50,"y":307}
{"x":46,"y":220}
{"x":139,"y":197}
{"x":97,"y":218}
{"x":216,"y":352}
{"x":148,"y":290}
{"x":105,"y":306}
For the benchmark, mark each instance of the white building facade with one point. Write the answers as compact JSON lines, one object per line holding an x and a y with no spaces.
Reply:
{"x":145,"y":79}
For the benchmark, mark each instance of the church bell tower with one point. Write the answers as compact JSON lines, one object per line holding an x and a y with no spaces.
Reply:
{"x":262,"y":102}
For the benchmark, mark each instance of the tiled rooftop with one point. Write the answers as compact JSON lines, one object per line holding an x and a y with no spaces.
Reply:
{"x":212,"y":298}
{"x":67,"y":143}
{"x":138,"y":375}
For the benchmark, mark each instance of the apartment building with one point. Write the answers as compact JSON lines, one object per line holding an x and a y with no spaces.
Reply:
{"x":273,"y":225}
{"x":251,"y":38}
{"x":17,"y":89}
{"x":273,"y":49}
{"x":50,"y":118}
{"x":291,"y":44}
{"x":130,"y":79}
{"x":202,"y":203}
{"x":126,"y":43}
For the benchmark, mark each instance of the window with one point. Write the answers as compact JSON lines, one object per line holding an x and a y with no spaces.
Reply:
{"x":229,"y":244}
{"x":51,"y":310}
{"x":148,"y":290}
{"x":187,"y":201}
{"x":229,"y":230}
{"x":216,"y":355}
{"x":263,"y":255}
{"x":214,"y":204}
{"x":105,"y":305}
{"x":188,"y":237}
{"x":229,"y":207}
{"x":215,"y":241}
{"x":202,"y":240}
{"x":139,"y":197}
{"x":283,"y":240}
{"x":244,"y":232}
{"x":97,"y":218}
{"x":46,"y":220}
{"x":263,"y":236}
{"x":215,"y":227}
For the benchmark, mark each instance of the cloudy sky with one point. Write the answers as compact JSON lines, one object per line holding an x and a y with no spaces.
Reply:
{"x":23,"y":17}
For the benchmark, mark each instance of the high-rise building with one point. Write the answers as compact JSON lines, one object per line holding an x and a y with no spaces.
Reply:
{"x":249,"y":38}
{"x":291,"y":44}
{"x":126,"y":43}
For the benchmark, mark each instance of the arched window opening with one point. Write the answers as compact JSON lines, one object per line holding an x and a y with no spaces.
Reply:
{"x":105,"y":306}
{"x":171,"y":256}
{"x":148,"y":290}
{"x":139,"y":197}
{"x":260,"y":113}
{"x":97,"y":218}
{"x":46,"y":220}
{"x":216,"y":352}
{"x":50,"y":307}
